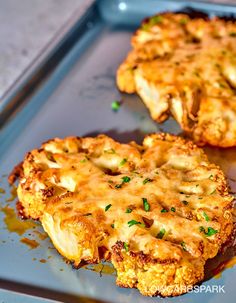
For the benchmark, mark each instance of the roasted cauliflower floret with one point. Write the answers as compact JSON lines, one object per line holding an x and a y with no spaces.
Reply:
{"x":157,"y":211}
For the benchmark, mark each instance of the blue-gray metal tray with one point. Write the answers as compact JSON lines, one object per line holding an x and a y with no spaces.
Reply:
{"x":69,"y":92}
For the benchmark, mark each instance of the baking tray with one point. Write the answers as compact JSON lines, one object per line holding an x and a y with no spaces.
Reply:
{"x":75,"y":99}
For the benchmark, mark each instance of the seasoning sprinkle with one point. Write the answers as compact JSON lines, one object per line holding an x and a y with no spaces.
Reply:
{"x":185,"y":202}
{"x":172,"y":209}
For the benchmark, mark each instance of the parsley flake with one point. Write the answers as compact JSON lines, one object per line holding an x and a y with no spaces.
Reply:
{"x":161,"y":233}
{"x":147,"y":180}
{"x":183,"y":21}
{"x":122,"y":162}
{"x":183,"y":245}
{"x":206,"y":217}
{"x":115,"y":105}
{"x":146,"y":205}
{"x":151,"y":22}
{"x":209,"y":232}
{"x":133,"y":222}
{"x":107,"y":207}
{"x":172,"y":209}
{"x":83,"y":161}
{"x":128,"y":210}
{"x":126,"y":247}
{"x":126,"y":179}
{"x":112,"y":225}
{"x":164,"y":210}
{"x":185,"y":202}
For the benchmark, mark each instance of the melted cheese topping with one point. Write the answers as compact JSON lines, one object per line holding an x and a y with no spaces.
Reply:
{"x":159,"y":200}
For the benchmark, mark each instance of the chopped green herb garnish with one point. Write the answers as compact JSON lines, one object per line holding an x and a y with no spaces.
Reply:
{"x":122,"y":162}
{"x":161,"y":233}
{"x":112,"y":225}
{"x":115,"y":105}
{"x":211,"y":177}
{"x":187,"y":196}
{"x":83,"y":161}
{"x":197,"y":185}
{"x":172,"y":209}
{"x":126,"y":179}
{"x":110,"y":151}
{"x":147,"y":180}
{"x":185,"y":202}
{"x":126,"y":247}
{"x":133,"y":222}
{"x":118,"y":185}
{"x":151,"y":22}
{"x":164,"y":210}
{"x":222,"y":85}
{"x":200,"y":198}
{"x":183,"y":21}
{"x":107,"y":207}
{"x":128,"y":210}
{"x":209,"y":232}
{"x":214,"y":191}
{"x":206,"y":217}
{"x":146,"y":205}
{"x":201,"y":229}
{"x":183,"y":245}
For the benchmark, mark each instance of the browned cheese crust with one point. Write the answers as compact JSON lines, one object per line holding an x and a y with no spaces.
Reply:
{"x":158,"y":211}
{"x":186,"y":68}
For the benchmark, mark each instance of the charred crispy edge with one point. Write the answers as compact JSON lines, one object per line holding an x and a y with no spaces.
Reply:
{"x":16,"y":173}
{"x":192,"y":14}
{"x":230,"y":241}
{"x":20,"y":211}
{"x":143,"y":258}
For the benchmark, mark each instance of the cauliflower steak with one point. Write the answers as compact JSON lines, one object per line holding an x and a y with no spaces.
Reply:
{"x":157,"y":211}
{"x":186,"y":68}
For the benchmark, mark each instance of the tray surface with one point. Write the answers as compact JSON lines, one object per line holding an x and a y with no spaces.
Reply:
{"x":76,"y":100}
